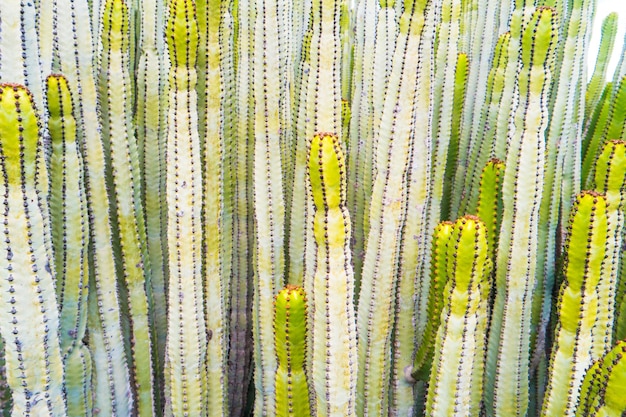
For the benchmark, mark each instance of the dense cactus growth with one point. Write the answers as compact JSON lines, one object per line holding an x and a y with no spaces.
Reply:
{"x":311,"y":208}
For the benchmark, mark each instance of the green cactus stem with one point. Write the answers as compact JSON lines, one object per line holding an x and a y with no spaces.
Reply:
{"x":455,"y":387}
{"x":438,"y":279}
{"x":185,"y":351}
{"x":70,"y":237}
{"x":597,"y":81}
{"x":610,"y":179}
{"x":509,"y":337}
{"x":579,"y":339}
{"x":602,"y":393}
{"x":333,"y":368}
{"x":290,"y":324}
{"x":29,"y":323}
{"x":489,"y":208}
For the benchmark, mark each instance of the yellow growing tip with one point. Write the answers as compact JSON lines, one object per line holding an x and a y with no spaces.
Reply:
{"x":327,"y":171}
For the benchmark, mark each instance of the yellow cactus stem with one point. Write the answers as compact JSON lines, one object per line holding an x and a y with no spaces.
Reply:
{"x":455,"y":387}
{"x":438,"y":279}
{"x":602,"y":393}
{"x":290,"y":325}
{"x":333,"y":367}
{"x":29,"y":320}
{"x":610,"y":179}
{"x":579,"y":336}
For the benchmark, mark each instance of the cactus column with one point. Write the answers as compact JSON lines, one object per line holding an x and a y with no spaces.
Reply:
{"x":334,"y":362}
{"x":29,"y":320}
{"x":185,"y":352}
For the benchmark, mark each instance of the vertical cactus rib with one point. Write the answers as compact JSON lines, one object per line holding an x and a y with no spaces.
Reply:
{"x":70,"y":238}
{"x":377,"y":296}
{"x":333,"y":368}
{"x":509,"y":338}
{"x":290,"y":326}
{"x":125,"y":196}
{"x":186,"y":335}
{"x":455,"y":387}
{"x":269,"y":205}
{"x":29,"y":322}
{"x":610,"y":179}
{"x":577,"y":342}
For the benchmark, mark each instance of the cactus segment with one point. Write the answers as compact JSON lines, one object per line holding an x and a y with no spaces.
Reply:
{"x":70,"y":235}
{"x":29,"y":323}
{"x":376,"y":301}
{"x":290,"y":323}
{"x":579,"y":339}
{"x":150,"y":132}
{"x":460,"y":87}
{"x":438,"y":280}
{"x":597,"y":81}
{"x":602,"y":391}
{"x":187,"y":335}
{"x":240,"y":350}
{"x":522,"y":188}
{"x":269,"y":203}
{"x":216,"y":214}
{"x":455,"y":387}
{"x":69,"y":215}
{"x":610,"y":179}
{"x":333,"y":366}
{"x":125,"y":195}
{"x":489,"y":208}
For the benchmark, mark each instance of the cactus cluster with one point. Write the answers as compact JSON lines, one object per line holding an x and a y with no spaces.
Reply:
{"x":311,"y":208}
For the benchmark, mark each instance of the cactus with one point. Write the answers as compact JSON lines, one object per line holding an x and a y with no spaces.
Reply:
{"x":458,"y":352}
{"x":333,"y":367}
{"x":70,"y":234}
{"x":602,"y":389}
{"x":211,"y":151}
{"x":579,"y":340}
{"x":31,"y":341}
{"x":290,"y":318}
{"x":185,"y":383}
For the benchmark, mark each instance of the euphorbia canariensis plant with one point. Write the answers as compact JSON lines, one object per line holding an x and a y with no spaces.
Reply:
{"x":311,"y":207}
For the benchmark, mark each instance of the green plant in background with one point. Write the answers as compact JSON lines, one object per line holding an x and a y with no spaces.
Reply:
{"x":437,"y":181}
